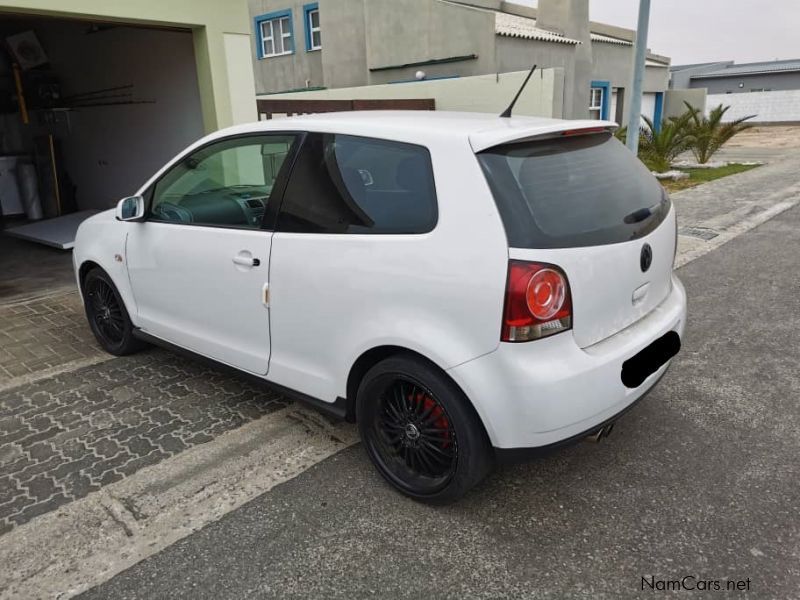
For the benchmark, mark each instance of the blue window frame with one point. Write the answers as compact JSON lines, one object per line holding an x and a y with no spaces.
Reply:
{"x":274,"y":34}
{"x":312,"y":29}
{"x":658,"y":114}
{"x":600,"y":100}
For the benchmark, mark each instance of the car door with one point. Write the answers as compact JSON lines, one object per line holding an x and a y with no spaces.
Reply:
{"x":199,"y":264}
{"x":352,"y":261}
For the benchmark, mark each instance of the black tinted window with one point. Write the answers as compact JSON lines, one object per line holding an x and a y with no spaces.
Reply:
{"x":585,"y":190}
{"x":347,"y":184}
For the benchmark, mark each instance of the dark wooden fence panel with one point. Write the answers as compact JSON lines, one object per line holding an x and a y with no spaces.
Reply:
{"x":268,"y":108}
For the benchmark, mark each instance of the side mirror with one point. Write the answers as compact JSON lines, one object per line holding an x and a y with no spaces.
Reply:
{"x":130,"y":209}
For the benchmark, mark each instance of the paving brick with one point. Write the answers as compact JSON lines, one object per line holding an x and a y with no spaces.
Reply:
{"x":16,"y":505}
{"x":40,"y":486}
{"x":105,"y":447}
{"x":37,"y":468}
{"x":8,"y":489}
{"x":171,"y":444}
{"x":24,"y":328}
{"x":142,"y":461}
{"x":39,"y":508}
{"x":66,"y":435}
{"x":139,"y":446}
{"x":78,"y":485}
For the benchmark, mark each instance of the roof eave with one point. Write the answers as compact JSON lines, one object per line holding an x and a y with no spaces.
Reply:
{"x":745,"y":74}
{"x":555,"y":39}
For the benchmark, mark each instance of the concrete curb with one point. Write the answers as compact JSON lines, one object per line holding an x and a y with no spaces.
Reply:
{"x":82,"y":544}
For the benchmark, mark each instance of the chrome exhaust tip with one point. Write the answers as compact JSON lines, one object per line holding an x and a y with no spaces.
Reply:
{"x":600,"y":434}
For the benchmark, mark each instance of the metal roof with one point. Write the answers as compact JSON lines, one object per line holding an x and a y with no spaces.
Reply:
{"x":607,"y":39}
{"x":676,"y":68}
{"x":775,"y":66}
{"x":525,"y":27}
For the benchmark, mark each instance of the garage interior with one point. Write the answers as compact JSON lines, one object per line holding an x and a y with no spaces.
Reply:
{"x":88,"y":111}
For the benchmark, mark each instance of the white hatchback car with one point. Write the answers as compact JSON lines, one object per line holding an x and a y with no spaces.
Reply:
{"x":468,"y":288}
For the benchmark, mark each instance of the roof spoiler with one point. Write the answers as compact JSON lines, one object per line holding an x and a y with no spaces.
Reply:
{"x":518,"y":131}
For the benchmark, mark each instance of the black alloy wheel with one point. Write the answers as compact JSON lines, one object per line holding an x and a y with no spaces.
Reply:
{"x":107,"y":315}
{"x":106,"y":312}
{"x":419,"y":430}
{"x":414,"y":437}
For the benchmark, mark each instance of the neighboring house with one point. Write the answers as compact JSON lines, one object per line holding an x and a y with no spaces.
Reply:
{"x":769,"y":91}
{"x":349,"y":43}
{"x":730,"y":78}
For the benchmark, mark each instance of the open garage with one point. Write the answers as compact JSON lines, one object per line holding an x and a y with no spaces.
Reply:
{"x":91,"y":105}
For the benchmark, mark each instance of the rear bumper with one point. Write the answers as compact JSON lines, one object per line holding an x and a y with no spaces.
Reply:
{"x":543,"y":394}
{"x":516,"y":455}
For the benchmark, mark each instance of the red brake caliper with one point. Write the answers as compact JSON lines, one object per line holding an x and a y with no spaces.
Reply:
{"x":440,"y":420}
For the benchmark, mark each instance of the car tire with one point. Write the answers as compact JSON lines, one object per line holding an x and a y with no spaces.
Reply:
{"x":107,"y":315}
{"x":420,"y":431}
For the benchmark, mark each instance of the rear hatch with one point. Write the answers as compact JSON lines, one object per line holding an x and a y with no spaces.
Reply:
{"x":583,"y":202}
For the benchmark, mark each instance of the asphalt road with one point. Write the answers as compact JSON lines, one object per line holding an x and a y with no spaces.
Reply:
{"x":700,"y":480}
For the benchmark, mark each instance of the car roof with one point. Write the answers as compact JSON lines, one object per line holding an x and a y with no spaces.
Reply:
{"x":482,"y":130}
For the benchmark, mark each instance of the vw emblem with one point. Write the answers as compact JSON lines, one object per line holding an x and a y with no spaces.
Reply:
{"x":646,"y":258}
{"x":412,"y":433}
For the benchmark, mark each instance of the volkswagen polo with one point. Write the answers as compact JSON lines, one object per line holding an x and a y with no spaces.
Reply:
{"x":467,"y":288}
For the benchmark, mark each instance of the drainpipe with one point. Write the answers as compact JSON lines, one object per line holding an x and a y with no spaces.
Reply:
{"x":640,"y":54}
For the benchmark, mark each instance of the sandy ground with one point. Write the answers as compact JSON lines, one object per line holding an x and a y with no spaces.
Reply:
{"x":777,"y":136}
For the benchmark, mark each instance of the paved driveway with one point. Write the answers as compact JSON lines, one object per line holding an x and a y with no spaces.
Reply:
{"x":73,"y":419}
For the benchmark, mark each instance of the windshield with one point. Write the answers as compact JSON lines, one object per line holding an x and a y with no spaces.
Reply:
{"x":565,"y":192}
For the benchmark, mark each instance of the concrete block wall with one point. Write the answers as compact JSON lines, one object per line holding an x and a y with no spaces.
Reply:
{"x":543,"y":96}
{"x":674,"y":101}
{"x":769,"y":107}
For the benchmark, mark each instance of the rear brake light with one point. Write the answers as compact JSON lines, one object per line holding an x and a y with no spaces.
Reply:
{"x":537,"y":303}
{"x":584,"y":131}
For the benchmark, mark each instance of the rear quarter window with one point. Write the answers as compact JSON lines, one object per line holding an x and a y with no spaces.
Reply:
{"x":359,"y":185}
{"x":585,"y":190}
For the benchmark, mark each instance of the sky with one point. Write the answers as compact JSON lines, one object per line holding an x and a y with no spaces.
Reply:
{"x":691,"y":31}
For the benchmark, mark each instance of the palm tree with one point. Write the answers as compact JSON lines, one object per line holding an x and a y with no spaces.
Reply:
{"x":658,"y":149}
{"x":709,"y":132}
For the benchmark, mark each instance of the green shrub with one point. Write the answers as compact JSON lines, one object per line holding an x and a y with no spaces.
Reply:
{"x":658,"y":149}
{"x":709,"y":133}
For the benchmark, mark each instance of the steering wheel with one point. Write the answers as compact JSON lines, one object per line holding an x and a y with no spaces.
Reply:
{"x":167,"y":211}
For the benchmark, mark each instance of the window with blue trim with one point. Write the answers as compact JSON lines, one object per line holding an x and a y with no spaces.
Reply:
{"x":275,"y":34}
{"x":600,"y":100}
{"x":313,"y":35}
{"x":596,"y":103}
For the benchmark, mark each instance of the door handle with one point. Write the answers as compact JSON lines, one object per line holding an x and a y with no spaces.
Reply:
{"x":246,"y":261}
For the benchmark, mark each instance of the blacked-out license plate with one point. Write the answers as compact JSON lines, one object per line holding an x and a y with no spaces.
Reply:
{"x":650,"y":359}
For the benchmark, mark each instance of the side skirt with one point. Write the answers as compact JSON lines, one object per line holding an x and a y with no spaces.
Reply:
{"x":339,"y":409}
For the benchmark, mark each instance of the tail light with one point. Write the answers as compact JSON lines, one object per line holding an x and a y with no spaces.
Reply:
{"x":538,"y":302}
{"x":584,"y":131}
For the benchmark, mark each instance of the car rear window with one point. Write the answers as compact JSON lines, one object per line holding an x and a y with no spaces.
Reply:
{"x":358,"y":185}
{"x":584,"y":190}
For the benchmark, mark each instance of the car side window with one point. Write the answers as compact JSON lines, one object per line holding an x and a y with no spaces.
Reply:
{"x":350,"y":184}
{"x":227,"y":183}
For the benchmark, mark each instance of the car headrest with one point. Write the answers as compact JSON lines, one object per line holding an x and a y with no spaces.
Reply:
{"x":354,"y":182}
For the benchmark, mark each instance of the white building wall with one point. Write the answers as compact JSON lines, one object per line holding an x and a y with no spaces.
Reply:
{"x":543,"y":96}
{"x":648,"y":106}
{"x":768,"y":107}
